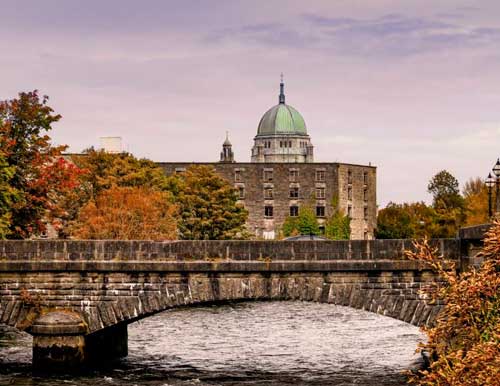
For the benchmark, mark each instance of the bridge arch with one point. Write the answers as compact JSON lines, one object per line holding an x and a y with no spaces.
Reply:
{"x":394,"y":294}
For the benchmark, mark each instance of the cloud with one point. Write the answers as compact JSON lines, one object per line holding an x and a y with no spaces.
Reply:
{"x":393,"y":35}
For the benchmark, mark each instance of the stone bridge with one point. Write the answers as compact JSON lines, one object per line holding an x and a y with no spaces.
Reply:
{"x":77,"y":297}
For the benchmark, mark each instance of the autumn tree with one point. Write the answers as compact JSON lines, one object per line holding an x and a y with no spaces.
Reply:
{"x":464,"y":343}
{"x":338,"y":224}
{"x":104,"y":170}
{"x":208,"y":205}
{"x":38,"y":175}
{"x":476,"y":201}
{"x":128,"y":213}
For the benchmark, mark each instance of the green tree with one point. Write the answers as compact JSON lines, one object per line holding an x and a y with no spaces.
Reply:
{"x":338,"y":224}
{"x":7,"y":196}
{"x":304,"y":224}
{"x":290,"y":227}
{"x":445,"y":191}
{"x":448,"y":204}
{"x":425,"y":220}
{"x":413,"y":220}
{"x":395,"y":221}
{"x":208,"y":206}
{"x":37,"y":173}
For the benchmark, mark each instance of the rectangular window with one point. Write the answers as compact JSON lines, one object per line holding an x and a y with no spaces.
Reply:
{"x":320,"y":211}
{"x":241,"y":192}
{"x":294,"y":175}
{"x":349,"y":211}
{"x":349,"y":192}
{"x":268,"y":175}
{"x":237,"y":175}
{"x":268,"y":211}
{"x":179,"y":170}
{"x":320,"y":193}
{"x":349,"y":177}
{"x":320,"y":175}
{"x":365,"y":213}
{"x":322,"y":229}
{"x":294,"y":192}
{"x":365,"y":178}
{"x":294,"y":211}
{"x":365,"y":194}
{"x":268,"y":193}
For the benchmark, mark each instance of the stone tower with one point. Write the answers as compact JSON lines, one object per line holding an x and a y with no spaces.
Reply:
{"x":282,"y":135}
{"x":227,"y":155}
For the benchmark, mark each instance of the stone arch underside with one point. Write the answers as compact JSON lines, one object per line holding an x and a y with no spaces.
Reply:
{"x":106,"y":299}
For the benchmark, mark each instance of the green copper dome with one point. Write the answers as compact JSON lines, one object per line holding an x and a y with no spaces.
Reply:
{"x":282,"y":119}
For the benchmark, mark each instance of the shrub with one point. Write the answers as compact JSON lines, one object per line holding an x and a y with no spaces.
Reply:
{"x":464,"y":343}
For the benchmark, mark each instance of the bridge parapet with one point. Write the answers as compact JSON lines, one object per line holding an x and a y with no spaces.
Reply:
{"x":109,"y":250}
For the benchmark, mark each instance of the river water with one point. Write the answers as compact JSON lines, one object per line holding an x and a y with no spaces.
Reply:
{"x":254,"y":343}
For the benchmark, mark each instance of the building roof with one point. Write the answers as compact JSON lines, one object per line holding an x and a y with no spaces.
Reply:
{"x":282,"y":119}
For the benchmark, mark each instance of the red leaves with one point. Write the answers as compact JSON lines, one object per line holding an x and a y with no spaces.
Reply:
{"x":41,"y":175}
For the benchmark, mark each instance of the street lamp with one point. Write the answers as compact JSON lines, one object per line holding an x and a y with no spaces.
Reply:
{"x":489,"y":183}
{"x":496,"y":172}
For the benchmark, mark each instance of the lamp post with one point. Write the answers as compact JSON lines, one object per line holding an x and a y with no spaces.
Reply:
{"x":496,"y":172}
{"x":489,"y":184}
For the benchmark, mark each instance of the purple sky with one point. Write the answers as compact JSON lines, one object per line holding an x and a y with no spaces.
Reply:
{"x":411,"y":86}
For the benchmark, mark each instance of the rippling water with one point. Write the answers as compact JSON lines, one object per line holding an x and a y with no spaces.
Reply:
{"x":256,"y":343}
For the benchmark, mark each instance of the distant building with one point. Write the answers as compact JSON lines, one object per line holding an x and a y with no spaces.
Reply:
{"x":111,"y":144}
{"x":282,"y":177}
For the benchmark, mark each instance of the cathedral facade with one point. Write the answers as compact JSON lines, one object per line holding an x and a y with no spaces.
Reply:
{"x":282,"y":177}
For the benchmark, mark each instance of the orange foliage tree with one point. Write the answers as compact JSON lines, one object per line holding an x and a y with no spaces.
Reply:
{"x":128,"y":213}
{"x":464,"y":343}
{"x":476,"y":202}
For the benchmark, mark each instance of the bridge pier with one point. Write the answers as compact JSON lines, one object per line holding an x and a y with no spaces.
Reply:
{"x":58,"y":342}
{"x":61,"y":343}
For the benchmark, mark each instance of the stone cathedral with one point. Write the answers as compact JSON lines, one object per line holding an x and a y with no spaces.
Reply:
{"x":282,"y":177}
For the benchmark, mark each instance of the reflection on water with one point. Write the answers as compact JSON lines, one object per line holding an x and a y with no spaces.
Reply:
{"x":259,"y":343}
